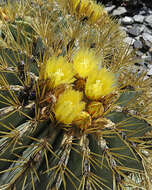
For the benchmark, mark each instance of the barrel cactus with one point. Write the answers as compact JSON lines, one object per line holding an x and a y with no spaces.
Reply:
{"x":74,"y":112}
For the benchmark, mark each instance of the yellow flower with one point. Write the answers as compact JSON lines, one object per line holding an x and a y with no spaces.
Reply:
{"x":83,"y":121}
{"x":68,"y":106}
{"x":84,"y":62}
{"x":90,"y":9}
{"x":99,"y":84}
{"x":80,"y":5}
{"x":96,"y":12}
{"x":58,"y":71}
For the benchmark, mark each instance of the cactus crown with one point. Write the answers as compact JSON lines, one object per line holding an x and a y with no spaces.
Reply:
{"x":74,"y":113}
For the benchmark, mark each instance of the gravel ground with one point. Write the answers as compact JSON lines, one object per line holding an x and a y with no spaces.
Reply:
{"x":136,"y":21}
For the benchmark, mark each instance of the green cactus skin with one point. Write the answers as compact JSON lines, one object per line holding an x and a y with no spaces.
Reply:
{"x":38,"y":152}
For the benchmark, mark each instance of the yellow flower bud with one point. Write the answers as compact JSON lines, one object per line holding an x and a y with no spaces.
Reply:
{"x":95,"y":109}
{"x":68,"y":106}
{"x":83,"y":121}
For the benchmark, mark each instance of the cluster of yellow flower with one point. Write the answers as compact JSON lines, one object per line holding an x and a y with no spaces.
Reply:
{"x":84,"y":66}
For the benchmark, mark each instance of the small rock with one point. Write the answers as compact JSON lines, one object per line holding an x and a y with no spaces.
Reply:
{"x":142,"y":12}
{"x":148,"y":20}
{"x":139,"y":18}
{"x":109,"y":9}
{"x":150,"y":66}
{"x":139,"y":53}
{"x":141,"y":27}
{"x":149,"y":73}
{"x":129,"y":26}
{"x":119,"y":11}
{"x":138,"y":37}
{"x":127,"y":20}
{"x":147,"y":58}
{"x":147,"y":39}
{"x":136,"y":30}
{"x":148,"y":53}
{"x":147,"y":30}
{"x":123,"y":29}
{"x":129,"y":40}
{"x":138,"y":44}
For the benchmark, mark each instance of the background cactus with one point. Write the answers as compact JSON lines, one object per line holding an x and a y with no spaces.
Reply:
{"x":105,"y":143}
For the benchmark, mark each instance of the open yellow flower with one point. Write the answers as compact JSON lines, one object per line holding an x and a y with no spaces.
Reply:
{"x":99,"y":84}
{"x":69,"y":106}
{"x":84,"y":62}
{"x":58,"y":71}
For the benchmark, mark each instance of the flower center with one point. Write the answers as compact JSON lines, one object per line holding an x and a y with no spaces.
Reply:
{"x":59,"y":74}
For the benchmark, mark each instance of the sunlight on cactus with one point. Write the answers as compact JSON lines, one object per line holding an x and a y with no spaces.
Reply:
{"x":73,"y":113}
